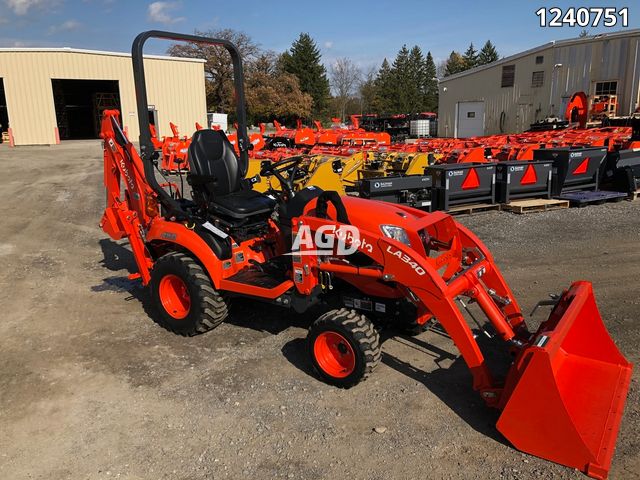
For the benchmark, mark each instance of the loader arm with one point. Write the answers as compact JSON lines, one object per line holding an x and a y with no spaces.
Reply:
{"x":563,"y":397}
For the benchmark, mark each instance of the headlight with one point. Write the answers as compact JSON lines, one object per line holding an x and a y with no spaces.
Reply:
{"x":397,"y":233}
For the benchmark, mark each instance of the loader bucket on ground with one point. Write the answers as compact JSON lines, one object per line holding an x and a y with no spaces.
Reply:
{"x":568,"y":388}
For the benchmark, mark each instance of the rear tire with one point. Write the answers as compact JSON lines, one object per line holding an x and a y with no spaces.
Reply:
{"x":183,"y":298}
{"x":344,"y":347}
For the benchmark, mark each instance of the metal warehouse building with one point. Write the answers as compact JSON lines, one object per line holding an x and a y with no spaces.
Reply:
{"x":53,"y":94}
{"x":508,"y":95}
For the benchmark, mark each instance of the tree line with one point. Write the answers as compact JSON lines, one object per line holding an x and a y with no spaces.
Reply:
{"x":296,"y":84}
{"x":471,"y":58}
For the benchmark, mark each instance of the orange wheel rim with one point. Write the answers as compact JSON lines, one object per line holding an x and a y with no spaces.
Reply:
{"x":174,"y":296}
{"x":334,"y":354}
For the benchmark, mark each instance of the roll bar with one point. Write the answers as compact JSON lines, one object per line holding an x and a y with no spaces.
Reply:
{"x":146,"y":146}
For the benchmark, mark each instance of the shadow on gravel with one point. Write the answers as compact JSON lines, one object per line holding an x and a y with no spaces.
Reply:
{"x":295,"y":351}
{"x":262,"y":317}
{"x":453,"y":384}
{"x":116,"y":258}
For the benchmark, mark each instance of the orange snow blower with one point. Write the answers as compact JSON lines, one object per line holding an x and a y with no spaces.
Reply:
{"x":375,"y":263}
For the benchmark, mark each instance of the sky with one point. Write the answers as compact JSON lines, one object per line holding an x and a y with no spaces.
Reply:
{"x":365,"y":31}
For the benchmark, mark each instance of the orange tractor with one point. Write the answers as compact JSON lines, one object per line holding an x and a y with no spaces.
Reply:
{"x":364,"y":263}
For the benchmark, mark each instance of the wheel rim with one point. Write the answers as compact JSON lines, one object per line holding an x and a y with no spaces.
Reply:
{"x":174,"y":296}
{"x":334,"y":354}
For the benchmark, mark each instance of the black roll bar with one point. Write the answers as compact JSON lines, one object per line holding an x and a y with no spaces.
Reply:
{"x":142,"y":105}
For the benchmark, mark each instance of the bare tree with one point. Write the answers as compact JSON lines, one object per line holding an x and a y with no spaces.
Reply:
{"x":441,"y":69}
{"x":345,"y":77}
{"x":218,"y":67}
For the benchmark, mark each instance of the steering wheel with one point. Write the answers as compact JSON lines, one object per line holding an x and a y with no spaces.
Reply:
{"x":288,"y":165}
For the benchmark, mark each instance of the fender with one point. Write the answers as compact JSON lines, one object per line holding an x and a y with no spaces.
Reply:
{"x":178,"y":234}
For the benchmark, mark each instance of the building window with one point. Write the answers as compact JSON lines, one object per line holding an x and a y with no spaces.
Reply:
{"x":471,"y":114}
{"x":508,"y":75}
{"x":537,"y":79}
{"x":539,"y":59}
{"x":606,"y":88}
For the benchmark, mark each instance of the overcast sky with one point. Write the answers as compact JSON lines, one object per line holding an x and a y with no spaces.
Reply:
{"x":366,"y":31}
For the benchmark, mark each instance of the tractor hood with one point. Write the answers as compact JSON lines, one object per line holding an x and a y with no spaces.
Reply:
{"x":370,"y":214}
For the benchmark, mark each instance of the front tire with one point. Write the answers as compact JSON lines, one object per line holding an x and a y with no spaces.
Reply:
{"x":344,"y":347}
{"x":183,"y":299}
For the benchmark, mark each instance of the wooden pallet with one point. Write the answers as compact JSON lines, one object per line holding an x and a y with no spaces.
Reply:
{"x":634,"y":195}
{"x":474,"y":208}
{"x":535,"y":205}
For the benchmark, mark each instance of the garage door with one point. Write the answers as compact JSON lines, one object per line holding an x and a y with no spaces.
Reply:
{"x":470,"y":119}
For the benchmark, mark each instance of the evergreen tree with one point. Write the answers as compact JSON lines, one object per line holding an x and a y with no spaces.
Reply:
{"x":417,"y":77}
{"x":367,"y":91}
{"x":487,"y":54}
{"x":430,"y":85}
{"x":470,"y":57}
{"x":401,"y":78}
{"x":303,"y":61}
{"x":384,"y":89}
{"x":407,"y":70}
{"x":455,"y":64}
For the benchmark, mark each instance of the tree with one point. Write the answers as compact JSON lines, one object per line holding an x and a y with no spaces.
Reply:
{"x":218,"y":67}
{"x":276,"y":95}
{"x":384,"y":89}
{"x":441,"y":69}
{"x":430,"y":102}
{"x":367,"y":91}
{"x":401,"y":74}
{"x":488,"y":54}
{"x":265,"y":62}
{"x":303,"y":61}
{"x":273,"y":93}
{"x":413,"y":91}
{"x":470,"y":57}
{"x":407,"y":86}
{"x":455,"y":64}
{"x":345,"y":76}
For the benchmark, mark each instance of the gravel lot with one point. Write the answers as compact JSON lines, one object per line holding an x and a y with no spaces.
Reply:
{"x":91,"y":388}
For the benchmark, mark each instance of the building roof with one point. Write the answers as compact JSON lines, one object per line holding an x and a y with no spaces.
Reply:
{"x":546,"y":46}
{"x":94,"y":52}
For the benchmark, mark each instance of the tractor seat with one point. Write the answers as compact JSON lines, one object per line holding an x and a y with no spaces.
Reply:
{"x":216,"y":177}
{"x":242,"y":204}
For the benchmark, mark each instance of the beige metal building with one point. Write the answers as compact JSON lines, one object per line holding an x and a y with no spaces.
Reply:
{"x":53,"y":94}
{"x":514,"y":92}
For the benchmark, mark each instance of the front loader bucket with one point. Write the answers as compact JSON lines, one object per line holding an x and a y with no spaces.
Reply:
{"x":565,"y":394}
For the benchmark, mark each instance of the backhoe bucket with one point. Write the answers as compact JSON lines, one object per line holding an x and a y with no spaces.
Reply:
{"x":565,"y":394}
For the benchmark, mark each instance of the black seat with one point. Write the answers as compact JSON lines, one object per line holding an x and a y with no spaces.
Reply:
{"x":217,"y":178}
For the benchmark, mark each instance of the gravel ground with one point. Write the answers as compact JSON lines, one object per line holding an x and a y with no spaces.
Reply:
{"x":91,"y":388}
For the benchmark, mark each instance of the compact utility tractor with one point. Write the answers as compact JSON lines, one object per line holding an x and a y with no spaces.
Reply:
{"x":362,"y":263}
